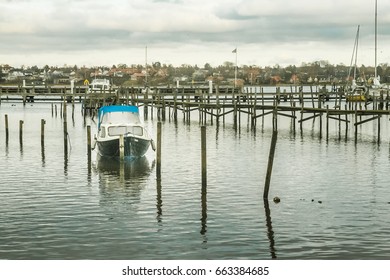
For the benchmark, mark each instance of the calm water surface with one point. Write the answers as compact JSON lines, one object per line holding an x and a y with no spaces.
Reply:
{"x":335,"y":195}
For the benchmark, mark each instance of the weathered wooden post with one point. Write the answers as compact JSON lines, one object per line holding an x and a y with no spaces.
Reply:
{"x":379,"y":128}
{"x":89,"y":146}
{"x":204,"y":155}
{"x":356,"y":125}
{"x":163,"y":111}
{"x":175,"y":105}
{"x":294,"y":117}
{"x":301,"y":95}
{"x":21,"y":131}
{"x":327,"y":122}
{"x":6,"y":128}
{"x":270,"y":161}
{"x":43,"y":122}
{"x":65,"y":113}
{"x":158,"y":167}
{"x":346,"y":123}
{"x":234,"y":113}
{"x":73,"y":105}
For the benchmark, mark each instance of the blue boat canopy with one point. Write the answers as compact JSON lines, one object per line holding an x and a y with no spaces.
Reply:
{"x":116,"y":108}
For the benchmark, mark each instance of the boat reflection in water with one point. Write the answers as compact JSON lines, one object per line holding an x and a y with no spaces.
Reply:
{"x":121,"y":183}
{"x":129,"y":168}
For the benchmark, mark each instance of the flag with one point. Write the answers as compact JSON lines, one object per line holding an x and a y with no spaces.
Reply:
{"x":235,"y":50}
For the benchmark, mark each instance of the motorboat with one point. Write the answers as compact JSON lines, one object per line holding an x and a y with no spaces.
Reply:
{"x":120,"y":132}
{"x":99,"y":85}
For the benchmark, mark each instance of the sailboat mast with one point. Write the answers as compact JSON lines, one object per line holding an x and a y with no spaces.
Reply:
{"x":356,"y":51}
{"x":354,"y":56}
{"x":146,"y":65}
{"x":376,"y":35}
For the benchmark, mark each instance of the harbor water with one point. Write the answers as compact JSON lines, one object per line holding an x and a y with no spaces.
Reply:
{"x":334,"y":193}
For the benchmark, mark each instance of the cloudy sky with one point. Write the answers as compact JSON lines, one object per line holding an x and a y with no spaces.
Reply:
{"x":265,"y":32}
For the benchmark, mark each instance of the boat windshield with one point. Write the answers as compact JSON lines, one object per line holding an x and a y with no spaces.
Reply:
{"x":121,"y":117}
{"x":125,"y":129}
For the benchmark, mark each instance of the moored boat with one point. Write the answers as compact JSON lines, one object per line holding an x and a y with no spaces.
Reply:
{"x":117,"y":122}
{"x":99,"y":85}
{"x":356,"y":93}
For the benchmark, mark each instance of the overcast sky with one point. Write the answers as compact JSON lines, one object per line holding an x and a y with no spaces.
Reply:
{"x":265,"y":32}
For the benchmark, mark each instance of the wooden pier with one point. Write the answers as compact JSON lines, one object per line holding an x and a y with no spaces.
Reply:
{"x":213,"y":103}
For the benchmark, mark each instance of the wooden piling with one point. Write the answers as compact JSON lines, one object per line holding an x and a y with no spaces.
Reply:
{"x":270,"y":164}
{"x":6,"y":128}
{"x":356,"y":126}
{"x":204,"y":155}
{"x":175,"y":105}
{"x":346,"y":124}
{"x":43,"y":122}
{"x":21,"y":131}
{"x":89,"y":145}
{"x":379,"y":128}
{"x":327,"y":122}
{"x":65,"y":113}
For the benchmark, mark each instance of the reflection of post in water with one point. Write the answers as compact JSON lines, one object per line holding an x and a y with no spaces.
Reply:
{"x":65,"y":163}
{"x":158,"y":173}
{"x":43,"y":154}
{"x":204,"y":211}
{"x":270,"y":232}
{"x":159,"y":201}
{"x":65,"y":135}
{"x":65,"y":138}
{"x":122,"y":169}
{"x":204,"y":156}
{"x":158,"y":167}
{"x":204,"y":180}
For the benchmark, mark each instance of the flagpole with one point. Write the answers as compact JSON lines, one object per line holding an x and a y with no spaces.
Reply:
{"x":235,"y":71}
{"x":146,"y":66}
{"x":376,"y":36}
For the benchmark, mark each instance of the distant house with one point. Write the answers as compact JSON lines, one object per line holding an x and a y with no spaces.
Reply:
{"x":181,"y":79}
{"x":198,"y":75}
{"x":5,"y":68}
{"x":275,"y":80}
{"x":294,"y":79}
{"x":138,"y":77}
{"x":14,"y":75}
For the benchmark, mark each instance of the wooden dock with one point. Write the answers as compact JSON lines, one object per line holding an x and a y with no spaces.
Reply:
{"x":300,"y":104}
